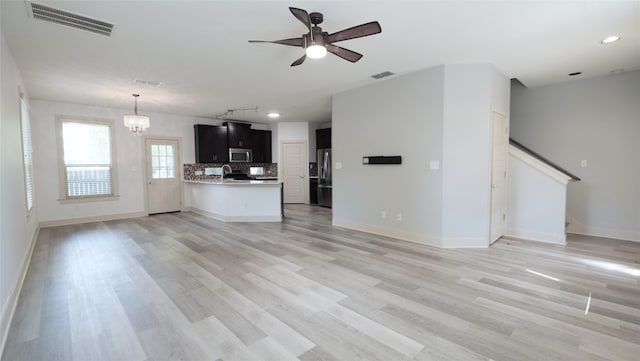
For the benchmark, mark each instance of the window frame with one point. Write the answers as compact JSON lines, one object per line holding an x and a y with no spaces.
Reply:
{"x":27,"y":154}
{"x":62,"y":171}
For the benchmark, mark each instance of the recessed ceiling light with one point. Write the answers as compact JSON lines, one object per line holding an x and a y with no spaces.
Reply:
{"x":610,"y":39}
{"x":273,"y":115}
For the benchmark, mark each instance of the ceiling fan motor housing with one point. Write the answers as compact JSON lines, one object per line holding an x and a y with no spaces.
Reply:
{"x":319,"y":37}
{"x":316,"y":18}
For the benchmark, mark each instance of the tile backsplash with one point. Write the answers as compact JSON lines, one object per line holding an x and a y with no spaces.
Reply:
{"x":270,"y":169}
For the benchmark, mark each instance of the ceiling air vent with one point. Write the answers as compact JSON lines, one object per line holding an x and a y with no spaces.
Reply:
{"x":47,"y":13}
{"x":382,"y":75}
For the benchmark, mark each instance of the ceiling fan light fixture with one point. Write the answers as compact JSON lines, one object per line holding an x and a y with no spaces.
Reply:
{"x":316,"y":51}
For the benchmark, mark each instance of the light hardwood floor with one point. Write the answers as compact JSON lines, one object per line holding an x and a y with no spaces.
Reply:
{"x":185,"y":287}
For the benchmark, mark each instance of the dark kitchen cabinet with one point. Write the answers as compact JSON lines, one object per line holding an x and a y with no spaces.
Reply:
{"x":261,"y":145}
{"x":323,"y":138}
{"x":211,"y":144}
{"x":313,"y":190}
{"x":238,"y":135}
{"x":220,"y":148}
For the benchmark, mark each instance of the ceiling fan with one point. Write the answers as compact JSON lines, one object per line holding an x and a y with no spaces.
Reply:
{"x":317,"y":42}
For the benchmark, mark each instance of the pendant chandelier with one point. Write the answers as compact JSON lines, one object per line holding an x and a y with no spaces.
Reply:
{"x":136,"y":123}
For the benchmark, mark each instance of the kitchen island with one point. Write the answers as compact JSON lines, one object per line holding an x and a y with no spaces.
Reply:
{"x":235,"y":200}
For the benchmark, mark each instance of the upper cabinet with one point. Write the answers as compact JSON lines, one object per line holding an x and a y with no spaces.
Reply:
{"x":261,"y":145}
{"x":238,"y":135}
{"x":323,"y":138}
{"x":211,"y":144}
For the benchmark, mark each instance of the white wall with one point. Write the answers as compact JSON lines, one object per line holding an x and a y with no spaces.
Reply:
{"x":17,"y":229}
{"x":397,"y":116}
{"x":536,"y":199}
{"x":129,"y":156}
{"x":470,"y":94}
{"x":597,"y":120}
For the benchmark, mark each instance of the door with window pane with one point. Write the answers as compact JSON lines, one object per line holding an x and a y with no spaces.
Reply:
{"x":164,"y":193}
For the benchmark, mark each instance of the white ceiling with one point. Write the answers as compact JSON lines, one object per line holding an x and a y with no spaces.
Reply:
{"x":199,"y":49}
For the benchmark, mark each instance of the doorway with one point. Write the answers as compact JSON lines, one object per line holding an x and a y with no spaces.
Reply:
{"x":294,"y":170}
{"x":164,"y":191}
{"x":499,"y":154}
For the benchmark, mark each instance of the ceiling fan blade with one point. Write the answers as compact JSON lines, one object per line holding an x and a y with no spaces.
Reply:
{"x":301,"y":15}
{"x":299,"y":61}
{"x":345,"y":54}
{"x":356,"y":32}
{"x":291,"y":42}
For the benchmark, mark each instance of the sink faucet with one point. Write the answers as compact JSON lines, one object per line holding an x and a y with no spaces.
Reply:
{"x":226,"y":166}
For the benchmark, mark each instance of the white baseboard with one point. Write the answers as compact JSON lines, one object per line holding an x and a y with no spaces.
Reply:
{"x":388,"y":232}
{"x":578,"y":227}
{"x":9,"y":308}
{"x":223,"y":218}
{"x":109,"y":217}
{"x":538,"y":236}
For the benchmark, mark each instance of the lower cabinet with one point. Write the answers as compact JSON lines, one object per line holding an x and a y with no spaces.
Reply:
{"x":313,"y":190}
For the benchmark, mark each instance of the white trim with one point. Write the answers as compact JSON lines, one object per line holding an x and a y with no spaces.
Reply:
{"x":109,"y":217}
{"x":577,"y":227}
{"x":224,"y":218}
{"x":539,"y":165}
{"x":537,"y":236}
{"x":12,"y":302}
{"x":389,"y":232}
{"x":62,"y":171}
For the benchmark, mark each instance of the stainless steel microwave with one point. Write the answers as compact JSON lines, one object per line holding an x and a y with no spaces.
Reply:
{"x":240,"y":155}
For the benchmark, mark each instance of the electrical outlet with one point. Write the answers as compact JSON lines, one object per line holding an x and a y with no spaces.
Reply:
{"x":399,"y":217}
{"x":198,"y":172}
{"x":383,"y":214}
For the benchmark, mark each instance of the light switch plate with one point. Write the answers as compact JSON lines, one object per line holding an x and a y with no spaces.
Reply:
{"x":583,"y":163}
{"x":434,"y":164}
{"x":338,"y":165}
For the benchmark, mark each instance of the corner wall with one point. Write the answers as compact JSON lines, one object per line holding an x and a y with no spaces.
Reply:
{"x":439,"y":116}
{"x":597,"y":120}
{"x":471,"y":92}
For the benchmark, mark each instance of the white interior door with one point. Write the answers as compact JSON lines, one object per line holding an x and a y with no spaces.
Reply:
{"x":500,"y":141}
{"x":294,"y":168}
{"x":164,"y":193}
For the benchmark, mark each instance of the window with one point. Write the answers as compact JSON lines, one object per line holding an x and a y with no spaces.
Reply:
{"x":162,"y":163}
{"x":86,"y":150}
{"x":27,"y":153}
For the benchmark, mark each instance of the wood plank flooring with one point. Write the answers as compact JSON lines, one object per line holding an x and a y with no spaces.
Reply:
{"x":182,"y":286}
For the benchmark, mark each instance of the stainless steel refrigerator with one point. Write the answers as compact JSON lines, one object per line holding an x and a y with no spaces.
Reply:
{"x":324,"y":177}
